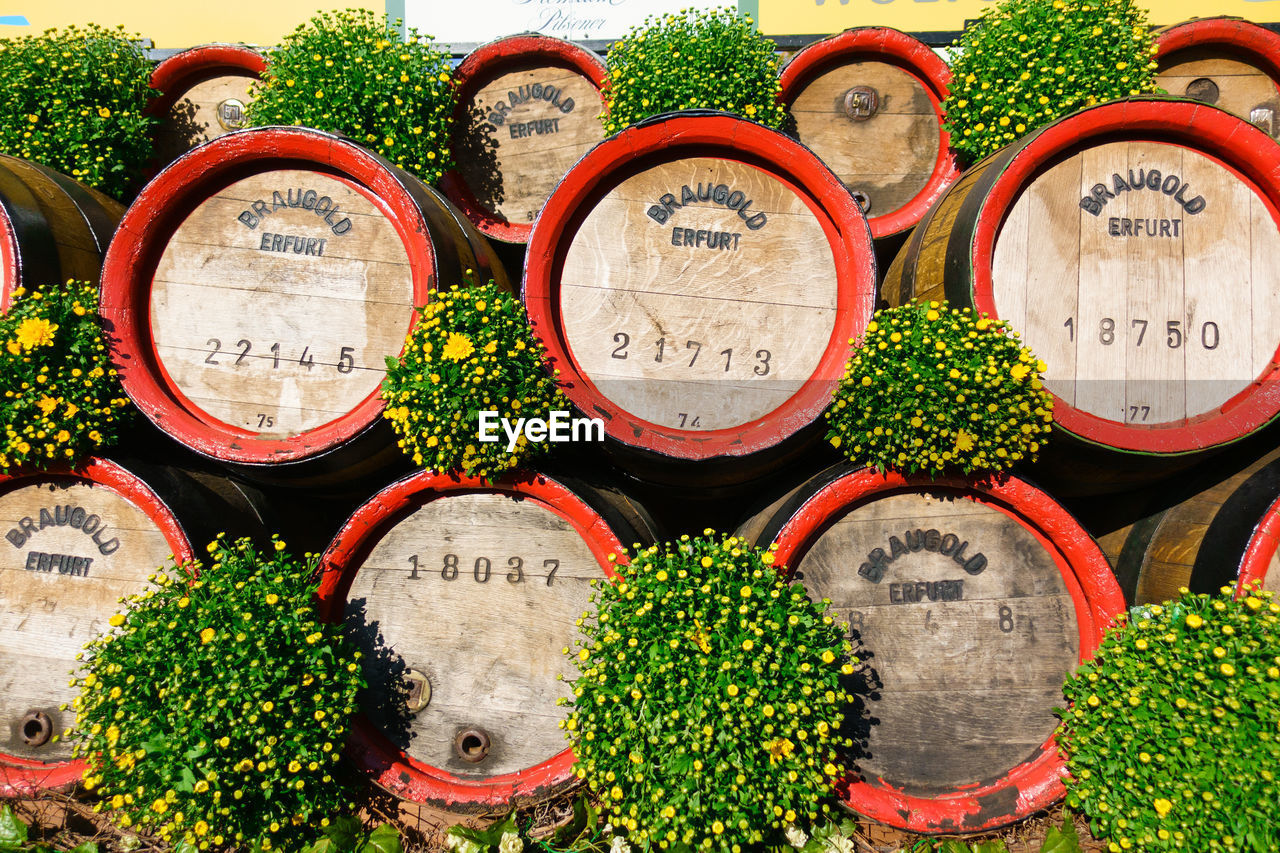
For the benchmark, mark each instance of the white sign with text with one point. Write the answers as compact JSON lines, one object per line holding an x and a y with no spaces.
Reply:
{"x":479,"y":21}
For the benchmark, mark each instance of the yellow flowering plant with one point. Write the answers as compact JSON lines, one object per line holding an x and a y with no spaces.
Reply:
{"x":1172,"y":735}
{"x":471,"y":351}
{"x":694,"y":59}
{"x":74,"y":100}
{"x":935,"y":389}
{"x":61,"y":397}
{"x":214,"y":710}
{"x":708,"y":709}
{"x":1025,"y":63}
{"x":351,"y":72}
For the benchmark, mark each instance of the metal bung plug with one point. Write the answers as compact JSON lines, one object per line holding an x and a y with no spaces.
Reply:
{"x":1204,"y":90}
{"x":36,"y":728}
{"x":471,"y":745}
{"x":861,"y":103}
{"x":419,"y":691}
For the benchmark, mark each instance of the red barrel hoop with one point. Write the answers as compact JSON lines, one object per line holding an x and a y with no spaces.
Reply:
{"x":1035,"y":782}
{"x":727,"y":142}
{"x":537,"y":500}
{"x":1261,"y":562}
{"x":921,"y":69}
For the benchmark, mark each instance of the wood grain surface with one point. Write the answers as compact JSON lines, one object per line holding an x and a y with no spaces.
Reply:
{"x":889,"y":156}
{"x":276,"y":319}
{"x":58,"y":587}
{"x":1241,"y":88}
{"x":521,"y":140}
{"x":479,"y":592}
{"x":971,"y":659}
{"x":1147,"y":305}
{"x":695,"y":315}
{"x":199,"y":114}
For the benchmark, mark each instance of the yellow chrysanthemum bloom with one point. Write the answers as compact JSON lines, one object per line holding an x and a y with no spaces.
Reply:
{"x":458,"y":347}
{"x":35,"y":332}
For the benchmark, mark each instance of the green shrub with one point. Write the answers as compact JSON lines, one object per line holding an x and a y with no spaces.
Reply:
{"x":73,"y":99}
{"x":1025,"y":63}
{"x":350,"y":72}
{"x":216,"y":710}
{"x":694,"y":59}
{"x":62,"y":398}
{"x":471,"y":351}
{"x":932,"y":388}
{"x":709,"y":700}
{"x":1173,"y":734}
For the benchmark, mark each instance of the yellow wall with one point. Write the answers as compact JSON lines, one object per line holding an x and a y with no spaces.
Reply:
{"x":807,"y":17}
{"x":178,"y":23}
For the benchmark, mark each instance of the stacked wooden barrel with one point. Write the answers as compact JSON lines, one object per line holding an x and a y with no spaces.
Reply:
{"x":203,"y":94}
{"x":258,"y":285}
{"x":696,"y":280}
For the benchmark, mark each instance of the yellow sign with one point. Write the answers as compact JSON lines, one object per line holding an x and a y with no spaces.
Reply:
{"x":820,"y":17}
{"x":174,"y":25}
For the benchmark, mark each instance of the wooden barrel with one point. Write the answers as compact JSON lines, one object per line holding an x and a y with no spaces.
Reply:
{"x":696,"y":280}
{"x":1227,"y":62}
{"x":462,"y":595}
{"x":1261,"y":561}
{"x":1197,"y":535}
{"x":75,"y":542}
{"x":1130,"y":245}
{"x":203,"y":94}
{"x":869,"y":103}
{"x":528,"y":107}
{"x":970,"y":602}
{"x":52,"y":228}
{"x":257,"y":286}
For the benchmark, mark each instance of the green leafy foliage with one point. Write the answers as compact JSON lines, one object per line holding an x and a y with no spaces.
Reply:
{"x":934,"y":389}
{"x":13,"y":832}
{"x":61,"y":397}
{"x":73,"y":99}
{"x":1025,"y":63}
{"x":1173,"y":733}
{"x":471,"y":351}
{"x":709,"y":702}
{"x":215,"y":711}
{"x":350,"y":72}
{"x":694,"y":59}
{"x":345,"y":834}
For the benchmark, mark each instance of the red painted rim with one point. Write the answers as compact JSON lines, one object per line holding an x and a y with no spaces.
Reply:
{"x":730,"y":138}
{"x":1034,"y":784}
{"x":1233,"y":143}
{"x":1263,"y":545}
{"x":911,"y":55}
{"x":1255,"y":43}
{"x":24,"y":776}
{"x":372,"y":751}
{"x":175,"y":76}
{"x":10,"y":260}
{"x":477,"y":70}
{"x":131,"y":260}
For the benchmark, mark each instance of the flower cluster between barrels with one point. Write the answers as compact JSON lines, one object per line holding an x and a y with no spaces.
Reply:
{"x":472,"y":351}
{"x":713,"y":60}
{"x":1173,"y":734}
{"x":708,"y":708}
{"x":62,"y":398}
{"x":351,"y":72}
{"x":932,"y":389}
{"x":74,"y":100}
{"x":1025,"y":63}
{"x":215,"y":710}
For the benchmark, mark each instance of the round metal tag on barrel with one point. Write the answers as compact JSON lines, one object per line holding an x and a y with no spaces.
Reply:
{"x":528,"y":108}
{"x":1227,"y":62}
{"x":74,"y":543}
{"x":1133,"y":247}
{"x":259,"y":283}
{"x":463,"y":595}
{"x":970,"y":603}
{"x":868,"y":102}
{"x":696,"y":280}
{"x":204,"y":91}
